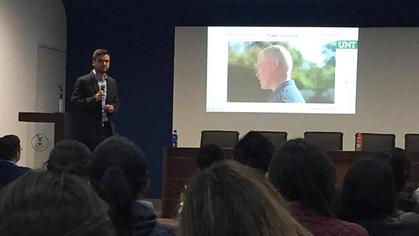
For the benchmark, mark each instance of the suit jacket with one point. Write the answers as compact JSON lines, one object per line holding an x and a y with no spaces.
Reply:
{"x":87,"y":112}
{"x":10,"y":172}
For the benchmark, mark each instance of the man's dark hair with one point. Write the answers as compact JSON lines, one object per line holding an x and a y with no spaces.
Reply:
{"x":208,"y":155}
{"x":302,"y":172}
{"x":399,"y":163}
{"x":368,"y":191}
{"x":69,"y":157}
{"x":100,"y":52}
{"x":254,"y":150}
{"x":118,"y":171}
{"x":42,"y":203}
{"x":9,"y":147}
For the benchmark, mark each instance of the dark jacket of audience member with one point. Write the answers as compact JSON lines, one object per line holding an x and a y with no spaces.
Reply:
{"x":9,"y":156}
{"x":118,"y":172}
{"x":69,"y":157}
{"x":305,"y":176}
{"x":229,"y":199}
{"x":368,"y":199}
{"x":254,"y":150}
{"x":45,"y":204}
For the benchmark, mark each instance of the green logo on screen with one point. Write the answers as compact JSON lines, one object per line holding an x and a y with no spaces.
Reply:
{"x":347,"y":44}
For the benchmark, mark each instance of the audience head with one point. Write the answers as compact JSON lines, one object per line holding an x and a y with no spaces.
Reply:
{"x":254,"y":150}
{"x":69,"y":157}
{"x":45,"y":204}
{"x":368,"y":191}
{"x":118,"y":172}
{"x":400,"y":165}
{"x":208,"y":155}
{"x":231,"y":199}
{"x":302,"y":172}
{"x":10,"y":148}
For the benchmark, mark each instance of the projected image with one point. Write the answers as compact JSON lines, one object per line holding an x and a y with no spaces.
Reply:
{"x":287,"y":72}
{"x":282,"y":69}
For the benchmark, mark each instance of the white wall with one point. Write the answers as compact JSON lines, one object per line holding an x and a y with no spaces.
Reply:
{"x":28,"y":28}
{"x":387,"y":91}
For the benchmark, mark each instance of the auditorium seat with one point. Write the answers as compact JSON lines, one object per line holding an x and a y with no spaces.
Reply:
{"x":222,"y":138}
{"x":411,"y":142}
{"x":328,"y":141}
{"x":277,"y":138}
{"x":373,"y":142}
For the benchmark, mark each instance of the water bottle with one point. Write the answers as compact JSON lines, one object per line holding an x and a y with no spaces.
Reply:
{"x":60,"y":102}
{"x":174,"y":138}
{"x":358,"y":142}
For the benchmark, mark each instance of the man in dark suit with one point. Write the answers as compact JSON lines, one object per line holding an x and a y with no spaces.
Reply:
{"x":9,"y":156}
{"x":94,"y":102}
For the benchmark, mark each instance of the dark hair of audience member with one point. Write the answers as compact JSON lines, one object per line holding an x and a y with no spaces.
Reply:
{"x":9,"y":147}
{"x":302,"y":172}
{"x":208,"y":155}
{"x":231,"y":199}
{"x":69,"y":157}
{"x":254,"y":150}
{"x":45,"y":204}
{"x":118,"y":172}
{"x":400,"y":165}
{"x":368,"y":191}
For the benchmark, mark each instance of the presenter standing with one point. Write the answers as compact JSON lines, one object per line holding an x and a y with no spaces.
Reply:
{"x":94,"y":102}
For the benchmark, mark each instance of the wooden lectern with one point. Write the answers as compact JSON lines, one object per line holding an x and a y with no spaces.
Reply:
{"x":61,"y":122}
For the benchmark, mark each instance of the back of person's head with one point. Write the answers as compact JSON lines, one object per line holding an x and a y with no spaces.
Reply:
{"x":69,"y":157}
{"x":400,"y":165}
{"x":45,"y":204}
{"x":118,"y":172}
{"x":254,"y":150}
{"x":231,"y":199}
{"x":10,"y":148}
{"x":302,"y":172}
{"x":368,"y":191}
{"x":208,"y":155}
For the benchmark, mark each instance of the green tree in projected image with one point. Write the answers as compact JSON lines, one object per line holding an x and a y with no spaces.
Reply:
{"x":316,"y":81}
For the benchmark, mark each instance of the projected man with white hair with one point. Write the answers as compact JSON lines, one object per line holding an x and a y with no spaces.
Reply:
{"x":274,"y":65}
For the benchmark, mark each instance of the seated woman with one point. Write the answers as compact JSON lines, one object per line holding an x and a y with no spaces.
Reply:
{"x":368,"y":198}
{"x":229,"y":199}
{"x":45,"y":204}
{"x":305,"y":176}
{"x":118,"y":171}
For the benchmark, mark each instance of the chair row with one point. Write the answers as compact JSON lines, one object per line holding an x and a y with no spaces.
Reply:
{"x":330,"y":141}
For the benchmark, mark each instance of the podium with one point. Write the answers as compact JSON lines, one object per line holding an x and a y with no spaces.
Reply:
{"x":61,"y":122}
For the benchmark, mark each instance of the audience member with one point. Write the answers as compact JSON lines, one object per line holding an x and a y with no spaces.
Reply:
{"x":208,"y":155}
{"x":254,"y":150}
{"x":305,"y":176}
{"x":69,"y":157}
{"x":231,"y":199}
{"x":405,"y":202}
{"x":118,"y":172}
{"x":44,"y":204}
{"x":9,"y":156}
{"x":368,"y":199}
